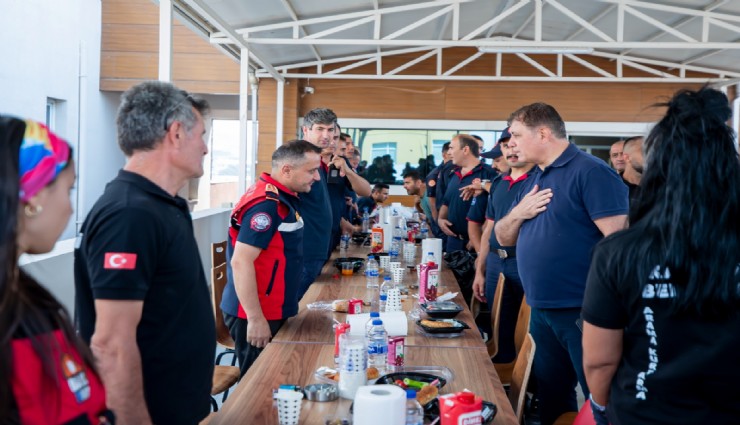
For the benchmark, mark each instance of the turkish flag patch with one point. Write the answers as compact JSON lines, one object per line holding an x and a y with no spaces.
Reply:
{"x":119,"y":261}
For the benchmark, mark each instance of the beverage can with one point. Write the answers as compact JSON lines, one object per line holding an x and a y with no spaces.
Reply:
{"x":395,"y":351}
{"x":355,"y":306}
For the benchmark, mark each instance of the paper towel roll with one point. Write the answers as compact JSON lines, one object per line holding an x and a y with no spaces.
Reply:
{"x":395,"y":323}
{"x":379,"y":404}
{"x":433,"y":245}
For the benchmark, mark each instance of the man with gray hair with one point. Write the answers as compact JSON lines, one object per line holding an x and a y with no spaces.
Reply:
{"x":265,"y":251}
{"x":142,"y":300}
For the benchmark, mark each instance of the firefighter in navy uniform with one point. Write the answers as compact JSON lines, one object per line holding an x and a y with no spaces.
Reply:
{"x":265,"y":251}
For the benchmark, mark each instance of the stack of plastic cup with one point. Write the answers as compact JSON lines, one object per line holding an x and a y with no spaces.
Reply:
{"x":289,"y":406}
{"x":353,"y":366}
{"x":385,"y":263}
{"x":394,"y":300}
{"x":398,"y":275}
{"x":409,"y":252}
{"x":395,"y":265}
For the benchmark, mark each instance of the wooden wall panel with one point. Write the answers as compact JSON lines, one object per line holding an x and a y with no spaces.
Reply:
{"x":129,"y":52}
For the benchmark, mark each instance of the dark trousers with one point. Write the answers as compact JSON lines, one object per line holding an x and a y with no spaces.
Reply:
{"x":246,"y":353}
{"x":511,"y":300}
{"x":456,"y":244}
{"x":311,"y":270}
{"x":558,"y":360}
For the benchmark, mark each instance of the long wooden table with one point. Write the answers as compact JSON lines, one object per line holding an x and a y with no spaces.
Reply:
{"x":306,"y":342}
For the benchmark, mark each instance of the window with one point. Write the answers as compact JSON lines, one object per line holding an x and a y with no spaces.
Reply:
{"x":387,"y":154}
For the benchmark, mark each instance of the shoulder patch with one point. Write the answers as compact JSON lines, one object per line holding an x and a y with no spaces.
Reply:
{"x":432,"y":183}
{"x":260,"y":222}
{"x":271,"y":188}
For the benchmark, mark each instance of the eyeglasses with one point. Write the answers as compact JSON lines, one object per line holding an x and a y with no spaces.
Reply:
{"x":188,"y":98}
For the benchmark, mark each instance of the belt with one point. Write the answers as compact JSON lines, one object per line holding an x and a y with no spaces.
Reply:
{"x":504,"y":253}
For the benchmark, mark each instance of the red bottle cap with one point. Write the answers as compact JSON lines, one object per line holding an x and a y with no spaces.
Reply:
{"x":466,"y":397}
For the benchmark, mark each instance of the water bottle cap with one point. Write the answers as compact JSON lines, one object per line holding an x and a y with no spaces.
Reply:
{"x":383,"y":297}
{"x":386,"y":278}
{"x":374,"y":314}
{"x":410,"y":394}
{"x":377,"y":322}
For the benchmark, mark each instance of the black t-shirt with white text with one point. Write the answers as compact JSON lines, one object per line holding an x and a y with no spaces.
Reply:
{"x":675,"y":369}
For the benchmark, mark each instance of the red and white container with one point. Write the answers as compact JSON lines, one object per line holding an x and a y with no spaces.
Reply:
{"x":396,"y":351}
{"x":463,"y":408}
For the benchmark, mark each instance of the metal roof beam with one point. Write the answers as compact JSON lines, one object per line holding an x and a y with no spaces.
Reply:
{"x":457,"y":67}
{"x":536,"y":64}
{"x":495,"y":21}
{"x":218,"y":22}
{"x":418,"y":23}
{"x":348,"y":16}
{"x":675,"y":9}
{"x":294,"y":16}
{"x":656,"y":23}
{"x":353,"y":58}
{"x":593,"y":20}
{"x":585,"y":24}
{"x":413,"y":62}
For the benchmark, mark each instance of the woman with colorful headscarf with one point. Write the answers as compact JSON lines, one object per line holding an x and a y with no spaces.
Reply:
{"x":46,"y":373}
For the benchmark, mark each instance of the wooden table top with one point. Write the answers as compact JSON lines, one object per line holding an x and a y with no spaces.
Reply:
{"x":315,"y":326}
{"x":306,"y":342}
{"x":284,"y":363}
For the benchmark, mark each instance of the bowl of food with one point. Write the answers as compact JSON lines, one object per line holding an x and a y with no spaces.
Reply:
{"x":441,"y":309}
{"x":426,"y":385}
{"x":355,"y":262}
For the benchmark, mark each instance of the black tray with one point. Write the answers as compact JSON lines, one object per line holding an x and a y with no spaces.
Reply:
{"x":446,"y":310}
{"x":460,"y":326}
{"x":421,"y":377}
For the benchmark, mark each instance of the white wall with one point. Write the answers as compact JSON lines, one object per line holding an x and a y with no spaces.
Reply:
{"x":55,"y":270}
{"x":51,"y":49}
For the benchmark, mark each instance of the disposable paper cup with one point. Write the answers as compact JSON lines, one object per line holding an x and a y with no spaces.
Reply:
{"x":289,"y":407}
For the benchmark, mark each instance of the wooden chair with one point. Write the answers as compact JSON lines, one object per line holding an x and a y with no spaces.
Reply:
{"x":520,"y":376}
{"x":218,"y":253}
{"x":492,"y":344}
{"x":223,"y":338}
{"x":504,"y":370}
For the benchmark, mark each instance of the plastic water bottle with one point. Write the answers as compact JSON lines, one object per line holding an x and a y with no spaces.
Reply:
{"x":382,"y":300}
{"x":377,"y":346}
{"x":414,"y":411}
{"x":344,"y":241}
{"x":372,"y":270}
{"x":396,"y":243}
{"x":365,"y":221}
{"x":424,"y":230}
{"x":373,"y":315}
{"x":387,"y":284}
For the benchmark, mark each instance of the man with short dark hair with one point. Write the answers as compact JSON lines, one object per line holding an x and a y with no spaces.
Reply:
{"x":319,"y":126}
{"x":142,"y":300}
{"x":468,"y":170}
{"x":378,"y":195}
{"x":616,"y":156}
{"x":265,"y":251}
{"x":570,"y":202}
{"x":633,"y":165}
{"x":415,"y":187}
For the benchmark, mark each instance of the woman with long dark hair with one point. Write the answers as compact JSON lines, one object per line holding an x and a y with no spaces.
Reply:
{"x":46,"y":373}
{"x":662,"y":321}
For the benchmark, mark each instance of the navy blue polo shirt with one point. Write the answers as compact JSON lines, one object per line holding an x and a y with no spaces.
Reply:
{"x":431,"y":181}
{"x":366,"y":202}
{"x":443,"y":178}
{"x":563,"y":236}
{"x":478,"y":207}
{"x":504,"y":191}
{"x":457,"y":208}
{"x":337,"y":192}
{"x":316,"y":211}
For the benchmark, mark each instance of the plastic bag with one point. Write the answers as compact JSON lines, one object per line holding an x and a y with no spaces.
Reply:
{"x":462,"y":264}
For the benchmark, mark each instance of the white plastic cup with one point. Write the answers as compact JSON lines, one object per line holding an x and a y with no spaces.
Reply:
{"x":385,"y":263}
{"x":289,"y":407}
{"x":398,"y":275}
{"x":395,"y":265}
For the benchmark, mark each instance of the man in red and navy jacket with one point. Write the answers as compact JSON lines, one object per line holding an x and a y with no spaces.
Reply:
{"x":265,"y":251}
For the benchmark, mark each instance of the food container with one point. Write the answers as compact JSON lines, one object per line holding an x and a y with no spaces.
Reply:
{"x":441,"y":309}
{"x":442,"y":326}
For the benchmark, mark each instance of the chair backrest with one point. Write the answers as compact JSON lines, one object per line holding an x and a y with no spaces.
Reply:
{"x":218,"y":277}
{"x":522,"y":324}
{"x":520,"y":376}
{"x":218,"y":253}
{"x":495,"y":307}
